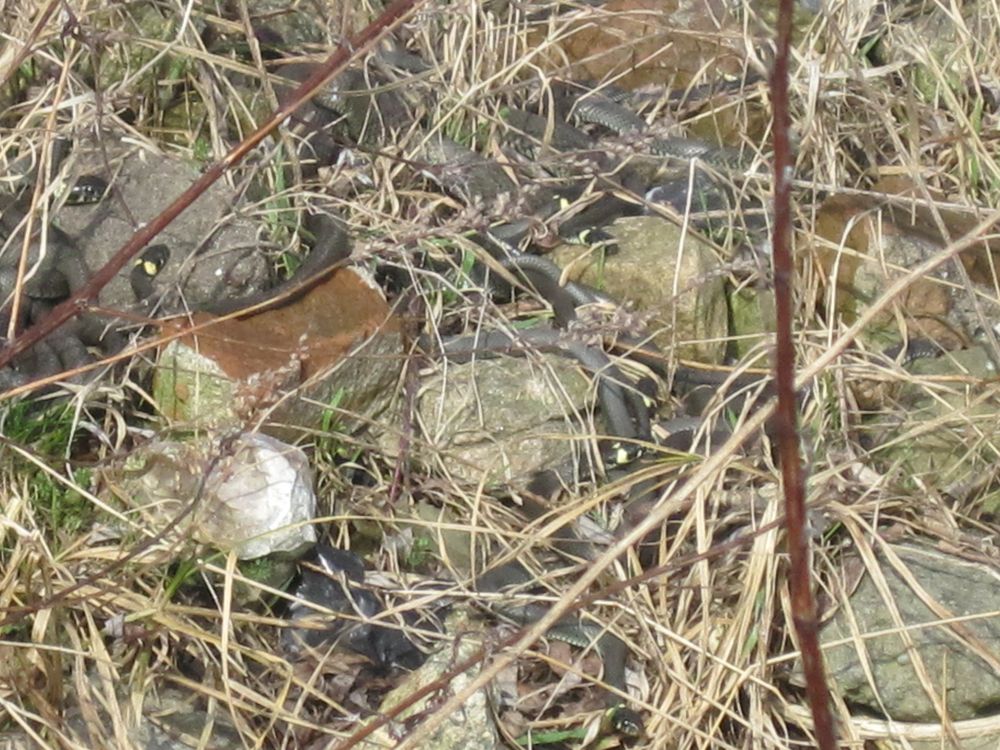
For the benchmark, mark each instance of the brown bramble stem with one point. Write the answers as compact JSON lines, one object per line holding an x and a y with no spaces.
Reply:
{"x":803,"y":603}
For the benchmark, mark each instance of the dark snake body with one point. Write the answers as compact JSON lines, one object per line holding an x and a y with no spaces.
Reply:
{"x":52,"y":276}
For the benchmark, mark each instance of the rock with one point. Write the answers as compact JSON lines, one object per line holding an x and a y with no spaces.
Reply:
{"x":500,"y":418}
{"x":472,"y":727}
{"x":971,"y":739}
{"x":667,"y":43}
{"x":283,"y":25}
{"x":445,"y":533}
{"x":169,"y":719}
{"x":256,"y":500}
{"x":668,"y":40}
{"x":213,"y":255}
{"x":804,"y":12}
{"x":867,"y":250}
{"x":660,"y":270}
{"x":942,"y":417}
{"x":965,"y":682}
{"x":927,"y":42}
{"x":260,"y":500}
{"x":753,"y":319}
{"x":333,"y":355}
{"x":122,"y":57}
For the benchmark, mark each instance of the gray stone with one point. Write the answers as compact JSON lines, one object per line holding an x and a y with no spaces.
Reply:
{"x":965,"y":682}
{"x":256,"y":500}
{"x":660,"y":270}
{"x":885,"y":246}
{"x":214,"y":253}
{"x":470,"y":728}
{"x":170,"y":719}
{"x":935,"y":432}
{"x":16,"y":741}
{"x":502,"y":418}
{"x":933,"y":44}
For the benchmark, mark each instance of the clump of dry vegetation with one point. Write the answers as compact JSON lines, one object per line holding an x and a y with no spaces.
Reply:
{"x":98,"y":615}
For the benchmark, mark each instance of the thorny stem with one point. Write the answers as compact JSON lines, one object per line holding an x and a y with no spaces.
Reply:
{"x":792,"y":471}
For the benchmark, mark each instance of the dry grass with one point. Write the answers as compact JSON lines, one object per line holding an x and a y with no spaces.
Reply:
{"x":709,"y":640}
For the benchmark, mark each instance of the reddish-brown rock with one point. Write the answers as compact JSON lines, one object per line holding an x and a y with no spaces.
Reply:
{"x":335,"y":346}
